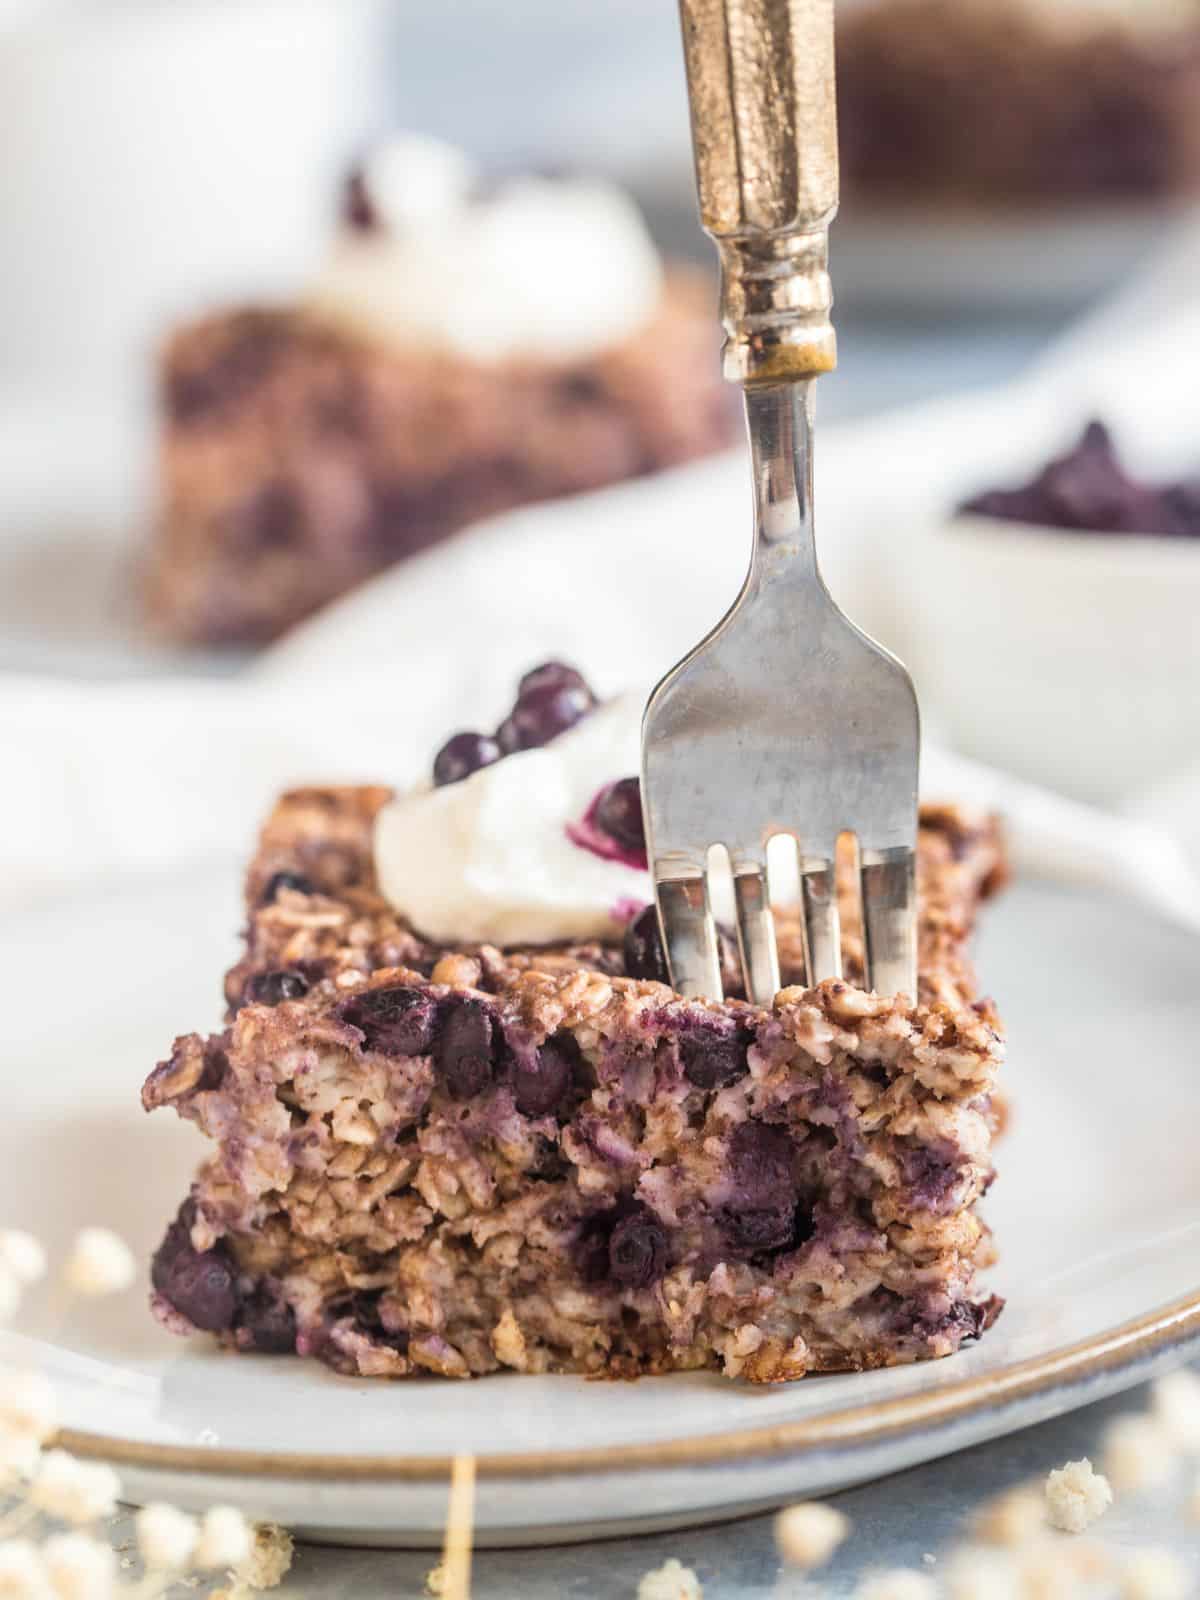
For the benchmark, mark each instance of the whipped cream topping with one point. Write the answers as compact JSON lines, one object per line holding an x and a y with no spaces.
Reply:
{"x":556,"y":268}
{"x":497,"y":858}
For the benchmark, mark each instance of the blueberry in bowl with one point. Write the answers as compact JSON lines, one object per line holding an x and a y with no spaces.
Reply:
{"x":1049,"y":616}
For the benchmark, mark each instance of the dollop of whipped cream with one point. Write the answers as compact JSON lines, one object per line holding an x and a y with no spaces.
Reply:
{"x":556,"y":268}
{"x":492,"y":859}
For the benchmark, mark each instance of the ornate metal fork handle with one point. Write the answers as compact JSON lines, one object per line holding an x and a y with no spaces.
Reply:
{"x":764,"y":132}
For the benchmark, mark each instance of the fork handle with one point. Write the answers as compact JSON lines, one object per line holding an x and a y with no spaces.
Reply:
{"x":764,"y":132}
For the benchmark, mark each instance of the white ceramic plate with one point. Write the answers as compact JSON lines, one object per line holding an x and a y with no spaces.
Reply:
{"x":1096,"y":1213}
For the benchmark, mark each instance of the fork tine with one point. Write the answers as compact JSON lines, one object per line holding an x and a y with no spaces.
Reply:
{"x":888,"y":880}
{"x":755,"y":930}
{"x":822,"y":925}
{"x":690,"y":937}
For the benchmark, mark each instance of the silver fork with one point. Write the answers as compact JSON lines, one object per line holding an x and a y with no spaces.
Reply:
{"x":786,"y":719}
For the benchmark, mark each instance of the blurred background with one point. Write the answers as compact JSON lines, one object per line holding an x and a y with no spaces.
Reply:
{"x":193,"y":193}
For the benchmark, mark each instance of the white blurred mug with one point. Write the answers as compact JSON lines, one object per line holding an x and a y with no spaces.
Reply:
{"x":157,"y":157}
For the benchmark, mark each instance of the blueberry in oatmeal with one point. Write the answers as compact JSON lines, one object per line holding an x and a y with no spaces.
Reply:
{"x":541,"y":1084}
{"x":272,"y":988}
{"x":464,"y":1049}
{"x":196,"y":1284}
{"x":397,"y":1022}
{"x":637,"y":1249}
{"x":713,"y":1058}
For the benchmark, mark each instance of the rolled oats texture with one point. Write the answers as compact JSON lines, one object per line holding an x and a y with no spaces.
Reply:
{"x":671,"y":1581}
{"x":1139,"y":1455}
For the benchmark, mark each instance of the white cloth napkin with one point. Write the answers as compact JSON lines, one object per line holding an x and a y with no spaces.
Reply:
{"x":105,"y":779}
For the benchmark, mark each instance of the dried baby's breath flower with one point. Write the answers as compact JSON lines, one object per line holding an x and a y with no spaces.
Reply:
{"x":1012,"y":1518}
{"x":166,"y":1536}
{"x":1175,"y":1402}
{"x":671,"y":1581}
{"x":100,"y":1263}
{"x":22,"y":1255}
{"x":75,"y":1491}
{"x":975,"y":1572}
{"x":1138,"y":1455}
{"x":28,"y":1407}
{"x":22,"y":1573}
{"x":900,"y":1584}
{"x":1048,"y":1572}
{"x":225,"y":1539}
{"x":1060,"y":1569}
{"x":808,"y":1534}
{"x":79,"y":1568}
{"x":1076,"y":1494}
{"x":10,"y":1294}
{"x":270,"y":1557}
{"x":1154,"y":1575}
{"x":19,"y":1454}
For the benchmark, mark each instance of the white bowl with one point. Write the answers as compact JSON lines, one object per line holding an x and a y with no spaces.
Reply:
{"x":1072,"y":659}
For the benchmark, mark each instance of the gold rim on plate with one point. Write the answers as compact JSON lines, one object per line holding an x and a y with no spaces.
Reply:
{"x":1125,"y":1346}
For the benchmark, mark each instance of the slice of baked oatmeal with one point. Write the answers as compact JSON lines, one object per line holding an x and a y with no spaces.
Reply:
{"x":493,"y":350}
{"x":457,"y":1158}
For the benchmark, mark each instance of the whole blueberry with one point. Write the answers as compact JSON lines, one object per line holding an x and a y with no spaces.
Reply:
{"x":553,"y":673}
{"x":397,"y":1022}
{"x":712,"y":1060}
{"x":272,"y":988}
{"x":200,"y":1284}
{"x":465,"y":1049}
{"x":761,"y":1159}
{"x":295,"y":881}
{"x":462,"y":755}
{"x":618,"y":813}
{"x":637,"y":1249}
{"x":267,"y":1323}
{"x":643,"y":949}
{"x":761,"y":1228}
{"x":541,"y":714}
{"x":541,"y":1085}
